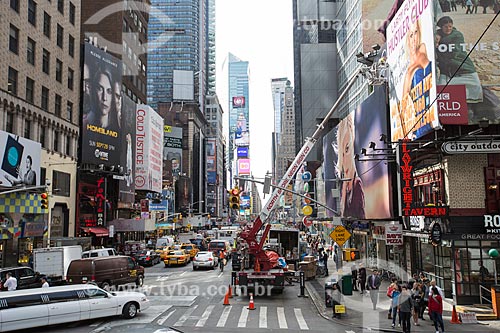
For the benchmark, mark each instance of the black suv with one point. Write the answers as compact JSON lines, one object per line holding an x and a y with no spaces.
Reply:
{"x":26,"y":277}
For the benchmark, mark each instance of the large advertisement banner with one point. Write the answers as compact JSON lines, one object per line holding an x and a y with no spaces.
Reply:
{"x":149,"y":152}
{"x":412,"y":83}
{"x":172,"y":147}
{"x":243,"y":166}
{"x":127,"y":185}
{"x":358,"y":189}
{"x":20,"y":164}
{"x":102,"y":104}
{"x":457,"y":33}
{"x":211,"y":161}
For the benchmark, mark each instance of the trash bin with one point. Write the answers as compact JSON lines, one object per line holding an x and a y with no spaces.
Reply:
{"x":347,"y":284}
{"x":328,"y":294}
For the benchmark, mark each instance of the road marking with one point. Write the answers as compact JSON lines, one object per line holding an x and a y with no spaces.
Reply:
{"x":263,"y":317}
{"x":164,"y":318}
{"x":96,"y":324}
{"x":205,"y":316}
{"x":282,"y":318}
{"x":162,"y":278}
{"x":220,"y":274}
{"x":300,"y":319}
{"x":224,"y":316}
{"x":183,"y":273}
{"x":185,"y":316}
{"x":243,"y":317}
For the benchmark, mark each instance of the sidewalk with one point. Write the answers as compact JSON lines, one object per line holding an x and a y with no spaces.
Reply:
{"x":360,"y":313}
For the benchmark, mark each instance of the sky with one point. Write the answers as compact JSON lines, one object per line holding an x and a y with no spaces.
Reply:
{"x":259,"y":32}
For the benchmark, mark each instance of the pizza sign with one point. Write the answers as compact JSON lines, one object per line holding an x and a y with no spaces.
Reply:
{"x":393,"y":234}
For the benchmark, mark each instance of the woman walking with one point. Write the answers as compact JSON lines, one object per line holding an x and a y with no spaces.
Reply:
{"x":405,"y":305}
{"x":436,"y":309}
{"x":394,"y":304}
{"x":416,"y":294}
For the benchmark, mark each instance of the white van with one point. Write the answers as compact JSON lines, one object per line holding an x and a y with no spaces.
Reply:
{"x":99,"y":253}
{"x":164,"y":241}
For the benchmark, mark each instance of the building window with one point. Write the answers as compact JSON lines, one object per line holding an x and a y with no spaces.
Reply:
{"x":14,"y":39}
{"x":61,"y":183}
{"x":14,"y":4}
{"x":56,"y":142}
{"x":60,"y":36}
{"x":43,"y":135}
{"x":45,"y":98}
{"x":69,"y":109}
{"x":71,"y":75}
{"x":59,"y":66}
{"x":27,"y":129}
{"x":30,"y":90}
{"x":71,"y":46}
{"x":72,"y":15}
{"x":46,"y":61}
{"x":32,"y":12}
{"x":9,"y":123}
{"x":12,"y":82}
{"x":68,"y":145}
{"x":60,"y":6}
{"x":58,"y":105}
{"x":46,"y":24}
{"x":30,"y":51}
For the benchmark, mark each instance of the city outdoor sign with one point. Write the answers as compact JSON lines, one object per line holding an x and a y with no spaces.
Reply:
{"x":471,"y":147}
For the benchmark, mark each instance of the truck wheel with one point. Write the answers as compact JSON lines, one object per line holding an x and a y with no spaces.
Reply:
{"x":130,"y":310}
{"x":140,"y":281}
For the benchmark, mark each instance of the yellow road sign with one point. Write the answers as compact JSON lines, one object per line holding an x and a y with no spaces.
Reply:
{"x":340,"y":235}
{"x":307,"y":210}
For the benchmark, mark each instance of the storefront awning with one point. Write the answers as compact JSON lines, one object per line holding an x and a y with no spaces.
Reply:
{"x":98,"y":231}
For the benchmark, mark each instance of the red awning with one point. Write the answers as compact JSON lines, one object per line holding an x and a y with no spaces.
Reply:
{"x":98,"y":231}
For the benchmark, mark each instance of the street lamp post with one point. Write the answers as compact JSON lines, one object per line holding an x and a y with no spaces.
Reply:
{"x":493,"y":253}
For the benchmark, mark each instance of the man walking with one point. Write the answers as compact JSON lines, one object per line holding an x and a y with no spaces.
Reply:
{"x":373,"y":284}
{"x":10,"y":283}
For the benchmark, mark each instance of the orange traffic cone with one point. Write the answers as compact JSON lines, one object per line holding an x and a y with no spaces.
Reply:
{"x":230,"y":292}
{"x":226,"y":298}
{"x":257,"y":265}
{"x":251,"y":305}
{"x":454,"y":316}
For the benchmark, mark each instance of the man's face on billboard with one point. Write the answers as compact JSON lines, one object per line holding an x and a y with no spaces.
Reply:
{"x":104,"y":94}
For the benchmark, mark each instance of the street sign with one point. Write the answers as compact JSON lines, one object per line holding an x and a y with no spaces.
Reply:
{"x":307,"y":222}
{"x":340,"y":235}
{"x":307,"y":210}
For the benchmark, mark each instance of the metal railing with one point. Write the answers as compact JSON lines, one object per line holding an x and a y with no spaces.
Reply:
{"x":482,"y":292}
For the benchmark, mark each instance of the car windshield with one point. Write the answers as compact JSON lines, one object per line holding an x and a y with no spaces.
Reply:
{"x":188,"y":247}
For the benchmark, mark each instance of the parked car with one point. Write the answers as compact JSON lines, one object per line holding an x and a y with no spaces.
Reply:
{"x":147,"y":258}
{"x":205,"y":259}
{"x":106,"y":271}
{"x":99,"y":253}
{"x":22,"y":309}
{"x":26,"y":277}
{"x":190,"y":248}
{"x":177,"y":257}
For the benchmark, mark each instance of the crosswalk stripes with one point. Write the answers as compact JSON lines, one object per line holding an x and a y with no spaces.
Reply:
{"x":265,"y":317}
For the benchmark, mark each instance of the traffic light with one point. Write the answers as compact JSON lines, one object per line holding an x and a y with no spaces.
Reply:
{"x":234,"y":198}
{"x":44,"y":200}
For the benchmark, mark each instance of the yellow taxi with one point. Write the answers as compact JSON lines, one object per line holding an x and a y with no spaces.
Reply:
{"x":164,"y":251}
{"x":176,"y":257}
{"x":192,"y":249}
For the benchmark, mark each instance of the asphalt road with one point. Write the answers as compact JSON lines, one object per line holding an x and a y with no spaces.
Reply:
{"x":192,"y":301}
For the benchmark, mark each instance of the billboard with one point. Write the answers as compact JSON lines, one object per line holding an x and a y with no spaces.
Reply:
{"x":238,"y":102}
{"x":211,"y":161}
{"x":412,"y":82}
{"x":148,"y":155}
{"x":172,"y":147}
{"x":127,"y":185}
{"x":456,"y":35}
{"x":183,"y":85}
{"x":363,"y":187}
{"x":242,"y":152}
{"x":102,"y":101}
{"x":243,"y":166}
{"x":20,"y":165}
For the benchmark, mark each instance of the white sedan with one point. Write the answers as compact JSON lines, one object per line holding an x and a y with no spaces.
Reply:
{"x":205,"y":259}
{"x":29,"y":308}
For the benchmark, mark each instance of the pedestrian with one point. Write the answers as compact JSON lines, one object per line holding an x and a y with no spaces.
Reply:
{"x":483,"y":3}
{"x":483,"y":271}
{"x":362,"y":278}
{"x":373,"y":284}
{"x":44,"y":282}
{"x":468,"y":3}
{"x":10,"y":282}
{"x":436,"y":309}
{"x":425,"y":298}
{"x":433,"y":284}
{"x":416,"y":294}
{"x":454,"y":5}
{"x":325,"y":262}
{"x":405,"y":306}
{"x":396,"y":292}
{"x":336,"y":300}
{"x":354,"y":274}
